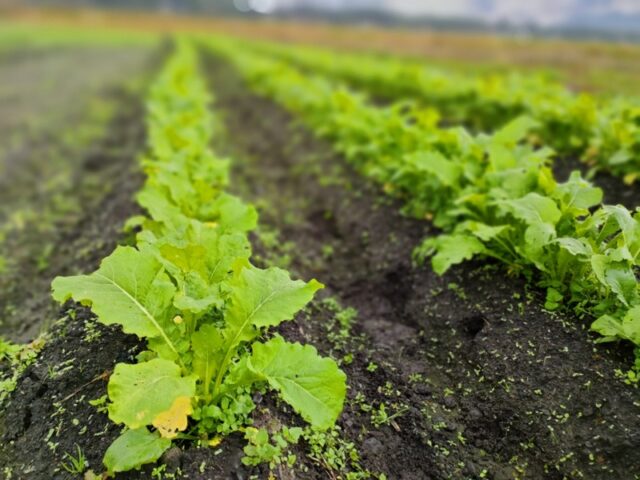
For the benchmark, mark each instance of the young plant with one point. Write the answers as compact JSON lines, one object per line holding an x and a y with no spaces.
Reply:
{"x":76,"y":465}
{"x":189,"y":289}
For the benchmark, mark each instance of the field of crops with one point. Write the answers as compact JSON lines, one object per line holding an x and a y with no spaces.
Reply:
{"x":229,"y":258}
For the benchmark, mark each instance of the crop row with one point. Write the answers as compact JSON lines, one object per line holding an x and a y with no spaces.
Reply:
{"x":188,"y":288}
{"x":604,"y":133}
{"x":492,"y":195}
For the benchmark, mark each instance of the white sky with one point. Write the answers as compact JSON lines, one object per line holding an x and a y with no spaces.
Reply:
{"x":433,"y":7}
{"x":543,"y":12}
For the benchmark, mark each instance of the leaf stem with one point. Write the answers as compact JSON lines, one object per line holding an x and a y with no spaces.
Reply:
{"x":221,"y":371}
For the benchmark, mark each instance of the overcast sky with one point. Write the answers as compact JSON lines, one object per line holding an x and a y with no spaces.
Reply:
{"x":542,"y":12}
{"x":545,"y":12}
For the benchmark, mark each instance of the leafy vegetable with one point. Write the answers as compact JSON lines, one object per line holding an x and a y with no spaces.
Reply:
{"x":140,"y":393}
{"x":188,"y":287}
{"x":493,"y":195}
{"x":603,"y":132}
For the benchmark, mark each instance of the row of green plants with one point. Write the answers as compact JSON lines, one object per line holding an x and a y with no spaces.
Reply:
{"x":491,"y":195}
{"x":603,"y":133}
{"x":189,"y":289}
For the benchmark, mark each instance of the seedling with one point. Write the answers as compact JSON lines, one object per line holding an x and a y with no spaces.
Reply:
{"x":77,"y":464}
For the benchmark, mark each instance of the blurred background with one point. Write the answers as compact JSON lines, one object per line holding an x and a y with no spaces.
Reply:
{"x":587,"y":44}
{"x":614,"y":19}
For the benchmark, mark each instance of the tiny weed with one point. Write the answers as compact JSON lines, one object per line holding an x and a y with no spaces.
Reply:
{"x":75,"y":464}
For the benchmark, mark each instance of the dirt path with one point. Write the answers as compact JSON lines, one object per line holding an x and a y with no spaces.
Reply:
{"x":44,"y":86}
{"x":66,"y":142}
{"x":484,"y":378}
{"x":48,"y":414}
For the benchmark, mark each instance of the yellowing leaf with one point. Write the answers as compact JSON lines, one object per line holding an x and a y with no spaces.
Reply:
{"x":140,"y":393}
{"x":175,"y":419}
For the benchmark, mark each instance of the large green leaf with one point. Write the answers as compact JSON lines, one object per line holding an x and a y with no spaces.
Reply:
{"x":515,"y":131}
{"x":260,"y":298}
{"x":200,"y":267}
{"x":613,"y":329}
{"x":617,"y":276}
{"x":534,"y":209}
{"x":482,"y":231}
{"x":141,"y":392}
{"x":434,"y":163}
{"x":134,"y":448}
{"x":536,"y":238}
{"x":264,"y":298}
{"x":578,"y":194}
{"x":578,"y":247}
{"x":161,"y":209}
{"x":541,"y":214}
{"x":314,"y":386}
{"x":501,"y":158}
{"x":233,"y":214}
{"x":130,"y":289}
{"x":454,"y":249}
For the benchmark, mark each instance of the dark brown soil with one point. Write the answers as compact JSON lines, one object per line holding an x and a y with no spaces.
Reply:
{"x":41,"y":423}
{"x":57,"y":166}
{"x":93,"y":234}
{"x":480,"y":380}
{"x":103,"y":179}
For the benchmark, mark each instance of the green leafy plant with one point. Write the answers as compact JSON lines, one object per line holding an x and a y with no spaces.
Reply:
{"x":189,"y":289}
{"x":262,"y":449}
{"x":493,"y":195}
{"x":336,"y":455}
{"x":605,"y":133}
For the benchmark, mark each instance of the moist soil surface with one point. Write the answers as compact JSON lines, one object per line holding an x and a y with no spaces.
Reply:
{"x":78,"y":238}
{"x":463,"y":376}
{"x":100,"y":180}
{"x":57,"y":166}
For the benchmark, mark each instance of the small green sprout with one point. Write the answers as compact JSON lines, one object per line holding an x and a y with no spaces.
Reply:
{"x":75,"y":465}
